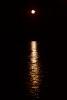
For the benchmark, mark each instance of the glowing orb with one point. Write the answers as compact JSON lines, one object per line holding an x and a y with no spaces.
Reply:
{"x":33,"y":11}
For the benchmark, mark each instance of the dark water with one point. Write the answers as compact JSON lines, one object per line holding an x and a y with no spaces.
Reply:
{"x":33,"y":71}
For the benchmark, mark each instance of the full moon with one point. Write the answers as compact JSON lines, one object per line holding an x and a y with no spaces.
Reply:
{"x":33,"y":11}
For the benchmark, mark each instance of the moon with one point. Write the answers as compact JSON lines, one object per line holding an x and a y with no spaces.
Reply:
{"x":33,"y":11}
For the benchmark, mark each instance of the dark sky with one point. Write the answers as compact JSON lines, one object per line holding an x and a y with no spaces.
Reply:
{"x":51,"y":18}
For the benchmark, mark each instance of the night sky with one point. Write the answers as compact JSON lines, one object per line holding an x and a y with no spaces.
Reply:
{"x":51,"y":17}
{"x":49,"y":26}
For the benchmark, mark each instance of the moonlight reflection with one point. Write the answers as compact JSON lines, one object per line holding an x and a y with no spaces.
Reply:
{"x":34,"y":70}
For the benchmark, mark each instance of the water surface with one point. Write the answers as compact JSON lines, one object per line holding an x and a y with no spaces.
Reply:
{"x":33,"y":71}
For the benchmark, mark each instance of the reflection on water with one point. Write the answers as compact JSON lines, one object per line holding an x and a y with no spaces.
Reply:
{"x":34,"y":69}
